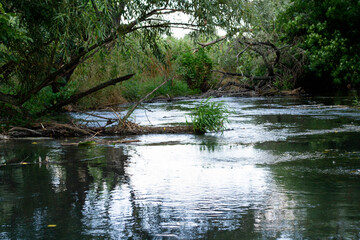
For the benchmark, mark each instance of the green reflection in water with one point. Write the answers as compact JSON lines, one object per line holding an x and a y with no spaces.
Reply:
{"x":35,"y":195}
{"x":321,"y":172}
{"x":325,"y":143}
{"x":327,"y":192}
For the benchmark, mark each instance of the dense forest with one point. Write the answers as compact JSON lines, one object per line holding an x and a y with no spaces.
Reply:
{"x":93,"y":54}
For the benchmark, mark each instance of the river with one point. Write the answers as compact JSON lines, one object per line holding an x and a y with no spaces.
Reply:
{"x":286,"y":168}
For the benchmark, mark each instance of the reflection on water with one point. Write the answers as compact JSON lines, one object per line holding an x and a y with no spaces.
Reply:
{"x":286,"y":169}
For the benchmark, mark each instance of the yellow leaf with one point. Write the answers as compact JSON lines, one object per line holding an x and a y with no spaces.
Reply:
{"x":23,"y":163}
{"x":52,"y":225}
{"x":34,"y":143}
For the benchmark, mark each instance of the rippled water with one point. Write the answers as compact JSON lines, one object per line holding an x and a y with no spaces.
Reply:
{"x":287,"y":168}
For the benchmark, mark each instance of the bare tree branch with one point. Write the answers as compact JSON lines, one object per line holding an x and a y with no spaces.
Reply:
{"x":269,"y":65}
{"x":143,"y":99}
{"x":213,"y":42}
{"x":244,"y":75}
{"x":203,"y":45}
{"x":240,"y":53}
{"x":169,"y":24}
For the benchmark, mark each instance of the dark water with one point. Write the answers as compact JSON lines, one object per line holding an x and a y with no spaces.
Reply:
{"x":287,"y":168}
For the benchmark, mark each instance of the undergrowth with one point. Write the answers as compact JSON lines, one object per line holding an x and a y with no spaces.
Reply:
{"x":136,"y":88}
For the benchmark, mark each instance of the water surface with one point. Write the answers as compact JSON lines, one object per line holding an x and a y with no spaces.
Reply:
{"x":287,"y":168}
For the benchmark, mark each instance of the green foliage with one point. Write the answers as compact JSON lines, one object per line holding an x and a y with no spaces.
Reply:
{"x":284,"y":83}
{"x":327,"y":31}
{"x":11,"y":34}
{"x":209,"y":116}
{"x":47,"y":97}
{"x":42,"y":43}
{"x":131,"y":56}
{"x":195,"y":68}
{"x":135,"y":89}
{"x":356,"y":101}
{"x":256,"y":50}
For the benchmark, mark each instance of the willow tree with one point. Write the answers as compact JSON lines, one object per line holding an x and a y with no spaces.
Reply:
{"x":43,"y":42}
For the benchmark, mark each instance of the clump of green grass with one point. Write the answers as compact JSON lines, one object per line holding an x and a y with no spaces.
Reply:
{"x":356,"y":101}
{"x":209,"y":117}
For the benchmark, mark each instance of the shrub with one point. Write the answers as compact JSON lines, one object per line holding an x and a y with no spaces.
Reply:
{"x":209,"y":116}
{"x":195,"y":68}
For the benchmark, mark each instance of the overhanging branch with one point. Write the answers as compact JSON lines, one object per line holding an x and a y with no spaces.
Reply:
{"x":78,"y":96}
{"x":63,"y":70}
{"x":169,"y":24}
{"x":203,"y":45}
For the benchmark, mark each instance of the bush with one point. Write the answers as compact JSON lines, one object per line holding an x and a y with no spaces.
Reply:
{"x":327,"y":32}
{"x":209,"y":116}
{"x":195,"y":68}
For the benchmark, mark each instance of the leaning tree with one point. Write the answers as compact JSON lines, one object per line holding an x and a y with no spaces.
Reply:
{"x":43,"y":42}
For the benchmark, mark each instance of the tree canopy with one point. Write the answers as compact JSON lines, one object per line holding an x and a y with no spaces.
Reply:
{"x":328,"y":32}
{"x":43,"y":42}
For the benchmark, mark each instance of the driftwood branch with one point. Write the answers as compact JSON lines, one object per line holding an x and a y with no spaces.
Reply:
{"x":14,"y":130}
{"x":78,"y":96}
{"x":69,"y":127}
{"x":123,"y":120}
